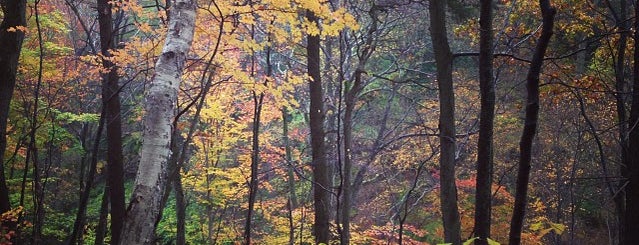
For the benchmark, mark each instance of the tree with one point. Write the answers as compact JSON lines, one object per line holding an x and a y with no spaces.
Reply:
{"x":113,"y":122}
{"x":530,"y":122}
{"x":483,"y":194}
{"x":321,"y":182}
{"x":11,"y":37}
{"x":444,"y":63}
{"x":632,"y":167}
{"x":161,"y":99}
{"x":620,"y":16}
{"x":352,"y":91}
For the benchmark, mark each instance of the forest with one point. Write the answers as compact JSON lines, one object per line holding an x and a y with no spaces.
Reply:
{"x":319,"y":122}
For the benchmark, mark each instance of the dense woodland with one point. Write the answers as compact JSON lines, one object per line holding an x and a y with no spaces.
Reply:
{"x":310,"y":122}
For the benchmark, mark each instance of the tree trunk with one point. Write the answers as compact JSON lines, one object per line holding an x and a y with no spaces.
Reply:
{"x":351,"y":95}
{"x":10,"y":46}
{"x":530,"y":122}
{"x":161,"y":99}
{"x":444,"y":58}
{"x":38,"y":189}
{"x":622,"y":118}
{"x":180,"y":211}
{"x":258,"y":100}
{"x":100,"y":230}
{"x":632,"y":189}
{"x":483,"y":194}
{"x":321,"y":182}
{"x":80,"y":217}
{"x":292,"y":197}
{"x":111,"y":103}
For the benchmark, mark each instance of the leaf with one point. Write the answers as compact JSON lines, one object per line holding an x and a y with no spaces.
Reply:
{"x":492,"y":242}
{"x":536,"y":226}
{"x":470,"y":241}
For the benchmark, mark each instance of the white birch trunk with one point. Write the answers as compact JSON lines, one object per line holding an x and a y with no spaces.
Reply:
{"x":160,"y":110}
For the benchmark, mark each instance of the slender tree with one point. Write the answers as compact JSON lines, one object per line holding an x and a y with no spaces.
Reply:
{"x":632,"y":165}
{"x":486,"y":118}
{"x":75,"y":236}
{"x":351,"y":94}
{"x":32,"y":151}
{"x":258,"y":100}
{"x":530,"y":122}
{"x":619,"y":14}
{"x":161,"y":99}
{"x":444,"y":63}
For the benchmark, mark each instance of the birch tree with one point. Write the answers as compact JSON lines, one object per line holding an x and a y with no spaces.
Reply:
{"x":160,"y":109}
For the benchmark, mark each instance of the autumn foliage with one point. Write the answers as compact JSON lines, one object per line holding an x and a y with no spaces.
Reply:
{"x":252,"y":54}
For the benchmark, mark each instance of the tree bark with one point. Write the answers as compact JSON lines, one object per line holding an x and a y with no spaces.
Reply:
{"x":443,"y":59}
{"x":620,"y":15}
{"x":161,"y":99}
{"x":483,"y":194}
{"x":111,"y":103}
{"x":530,"y":122}
{"x":632,"y":189}
{"x":321,"y":182}
{"x":14,"y":13}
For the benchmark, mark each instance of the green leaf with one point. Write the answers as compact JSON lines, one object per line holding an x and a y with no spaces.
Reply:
{"x":470,"y":241}
{"x":492,"y":242}
{"x":536,"y":226}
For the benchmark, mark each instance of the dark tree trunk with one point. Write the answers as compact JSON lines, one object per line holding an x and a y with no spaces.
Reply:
{"x":100,"y":230}
{"x":180,"y":210}
{"x":632,"y":189}
{"x":619,"y":13}
{"x":10,"y":46}
{"x":444,"y":58}
{"x":111,"y":101}
{"x":621,"y":100}
{"x":255,"y":160}
{"x":483,"y":192}
{"x":292,"y":197}
{"x":38,"y":189}
{"x":258,"y":99}
{"x":321,"y":183}
{"x":80,"y":217}
{"x":530,"y":122}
